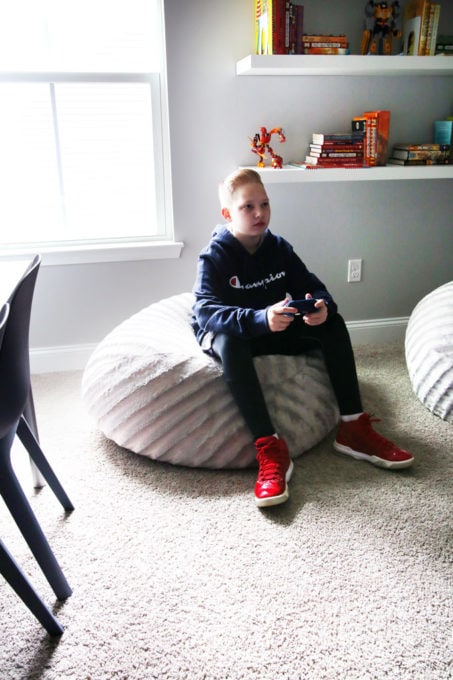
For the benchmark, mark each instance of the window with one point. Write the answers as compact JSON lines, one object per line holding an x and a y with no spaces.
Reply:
{"x":84,"y":148}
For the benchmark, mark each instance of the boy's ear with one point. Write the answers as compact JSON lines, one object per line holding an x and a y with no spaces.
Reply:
{"x":226,"y":214}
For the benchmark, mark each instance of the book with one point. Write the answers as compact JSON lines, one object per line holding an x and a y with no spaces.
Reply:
{"x":333,"y":161}
{"x":323,"y":137}
{"x":443,"y":131}
{"x":348,"y":166}
{"x":324,"y":43}
{"x":444,"y":44}
{"x":306,"y":166}
{"x":418,"y":147}
{"x":298,"y":28}
{"x":445,"y":51}
{"x":371,"y":140}
{"x":376,"y":136}
{"x":280,"y":37}
{"x":415,"y":161}
{"x":335,"y":164}
{"x":433,"y":27}
{"x":341,"y":39}
{"x":326,"y":50}
{"x":424,"y":28}
{"x":429,"y":153}
{"x":276,"y":23}
{"x":436,"y":155}
{"x":291,"y":27}
{"x":336,"y":154}
{"x":358,"y":124}
{"x":337,"y":146}
{"x":415,"y":26}
{"x":263,"y":26}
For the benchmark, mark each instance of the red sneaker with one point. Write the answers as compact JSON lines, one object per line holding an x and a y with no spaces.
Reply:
{"x":357,"y":438}
{"x":275,"y":468}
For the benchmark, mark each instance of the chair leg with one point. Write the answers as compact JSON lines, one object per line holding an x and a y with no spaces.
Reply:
{"x":37,"y":478}
{"x":30,"y":416}
{"x":30,"y":442}
{"x":24,"y":589}
{"x":25,"y":519}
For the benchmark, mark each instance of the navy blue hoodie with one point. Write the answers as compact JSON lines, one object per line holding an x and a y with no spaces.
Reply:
{"x":234,"y":288}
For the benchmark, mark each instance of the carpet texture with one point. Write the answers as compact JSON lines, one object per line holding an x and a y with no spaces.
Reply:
{"x":177,"y":575}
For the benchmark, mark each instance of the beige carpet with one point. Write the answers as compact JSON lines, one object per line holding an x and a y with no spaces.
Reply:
{"x":176,"y":574}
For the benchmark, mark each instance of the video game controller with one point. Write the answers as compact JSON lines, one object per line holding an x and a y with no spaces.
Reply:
{"x":306,"y":306}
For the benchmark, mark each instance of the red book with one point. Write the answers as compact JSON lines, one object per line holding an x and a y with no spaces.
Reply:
{"x":353,"y":142}
{"x":280,"y":42}
{"x":328,"y":148}
{"x":334,"y":165}
{"x":336,"y":154}
{"x":334,"y":162}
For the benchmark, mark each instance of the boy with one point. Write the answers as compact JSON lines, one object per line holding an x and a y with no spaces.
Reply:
{"x":246,"y":280}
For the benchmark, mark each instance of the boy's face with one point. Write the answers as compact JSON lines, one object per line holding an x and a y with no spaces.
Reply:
{"x":249,"y":213}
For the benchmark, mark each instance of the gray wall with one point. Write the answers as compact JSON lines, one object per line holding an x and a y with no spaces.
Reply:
{"x":402,"y":230}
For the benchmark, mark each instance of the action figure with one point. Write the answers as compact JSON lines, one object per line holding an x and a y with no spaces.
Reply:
{"x":260,"y":145}
{"x":381,"y":26}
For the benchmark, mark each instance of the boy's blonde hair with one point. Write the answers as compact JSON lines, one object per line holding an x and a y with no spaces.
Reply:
{"x":235,"y":180}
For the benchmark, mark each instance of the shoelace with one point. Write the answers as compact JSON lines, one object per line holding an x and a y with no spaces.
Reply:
{"x":270,"y":469}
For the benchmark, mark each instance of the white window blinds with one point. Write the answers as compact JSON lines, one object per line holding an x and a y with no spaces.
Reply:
{"x":81,"y":122}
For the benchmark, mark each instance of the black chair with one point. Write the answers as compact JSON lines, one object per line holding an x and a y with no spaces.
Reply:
{"x":16,"y":578}
{"x":9,"y":568}
{"x":15,"y":391}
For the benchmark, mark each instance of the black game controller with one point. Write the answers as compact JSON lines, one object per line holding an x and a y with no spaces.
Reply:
{"x":306,"y":306}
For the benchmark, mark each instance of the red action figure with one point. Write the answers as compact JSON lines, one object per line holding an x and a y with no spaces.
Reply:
{"x":260,"y":145}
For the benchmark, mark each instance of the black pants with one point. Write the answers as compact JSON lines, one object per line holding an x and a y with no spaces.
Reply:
{"x":331,"y":337}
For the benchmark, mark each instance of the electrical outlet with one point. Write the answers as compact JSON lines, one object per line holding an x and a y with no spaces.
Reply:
{"x":354,"y":271}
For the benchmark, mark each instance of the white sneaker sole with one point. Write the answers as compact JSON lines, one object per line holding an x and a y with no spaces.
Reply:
{"x":277,"y":500}
{"x":374,"y":460}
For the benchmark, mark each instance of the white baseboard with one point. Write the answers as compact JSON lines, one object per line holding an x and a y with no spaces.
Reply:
{"x":376,"y":331}
{"x":75,"y":357}
{"x":60,"y":358}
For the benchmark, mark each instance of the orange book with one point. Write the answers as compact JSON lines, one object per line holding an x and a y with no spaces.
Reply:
{"x":340,"y":38}
{"x":377,"y":136}
{"x":326,"y":50}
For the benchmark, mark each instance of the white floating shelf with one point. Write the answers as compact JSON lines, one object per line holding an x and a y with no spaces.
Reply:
{"x":290,"y":174}
{"x":343,"y":65}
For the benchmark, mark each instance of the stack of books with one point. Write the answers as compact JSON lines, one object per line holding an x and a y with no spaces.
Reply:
{"x":420,"y":27}
{"x":335,"y":150}
{"x":325,"y":44}
{"x":444,"y":45}
{"x":364,"y":145}
{"x":376,"y":127}
{"x":420,"y":154}
{"x":279,"y":26}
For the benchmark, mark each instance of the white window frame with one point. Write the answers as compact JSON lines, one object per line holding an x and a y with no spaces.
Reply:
{"x":123,"y":249}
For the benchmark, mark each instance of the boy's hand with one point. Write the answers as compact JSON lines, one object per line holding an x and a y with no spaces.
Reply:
{"x":280,"y":316}
{"x":316,"y":318}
